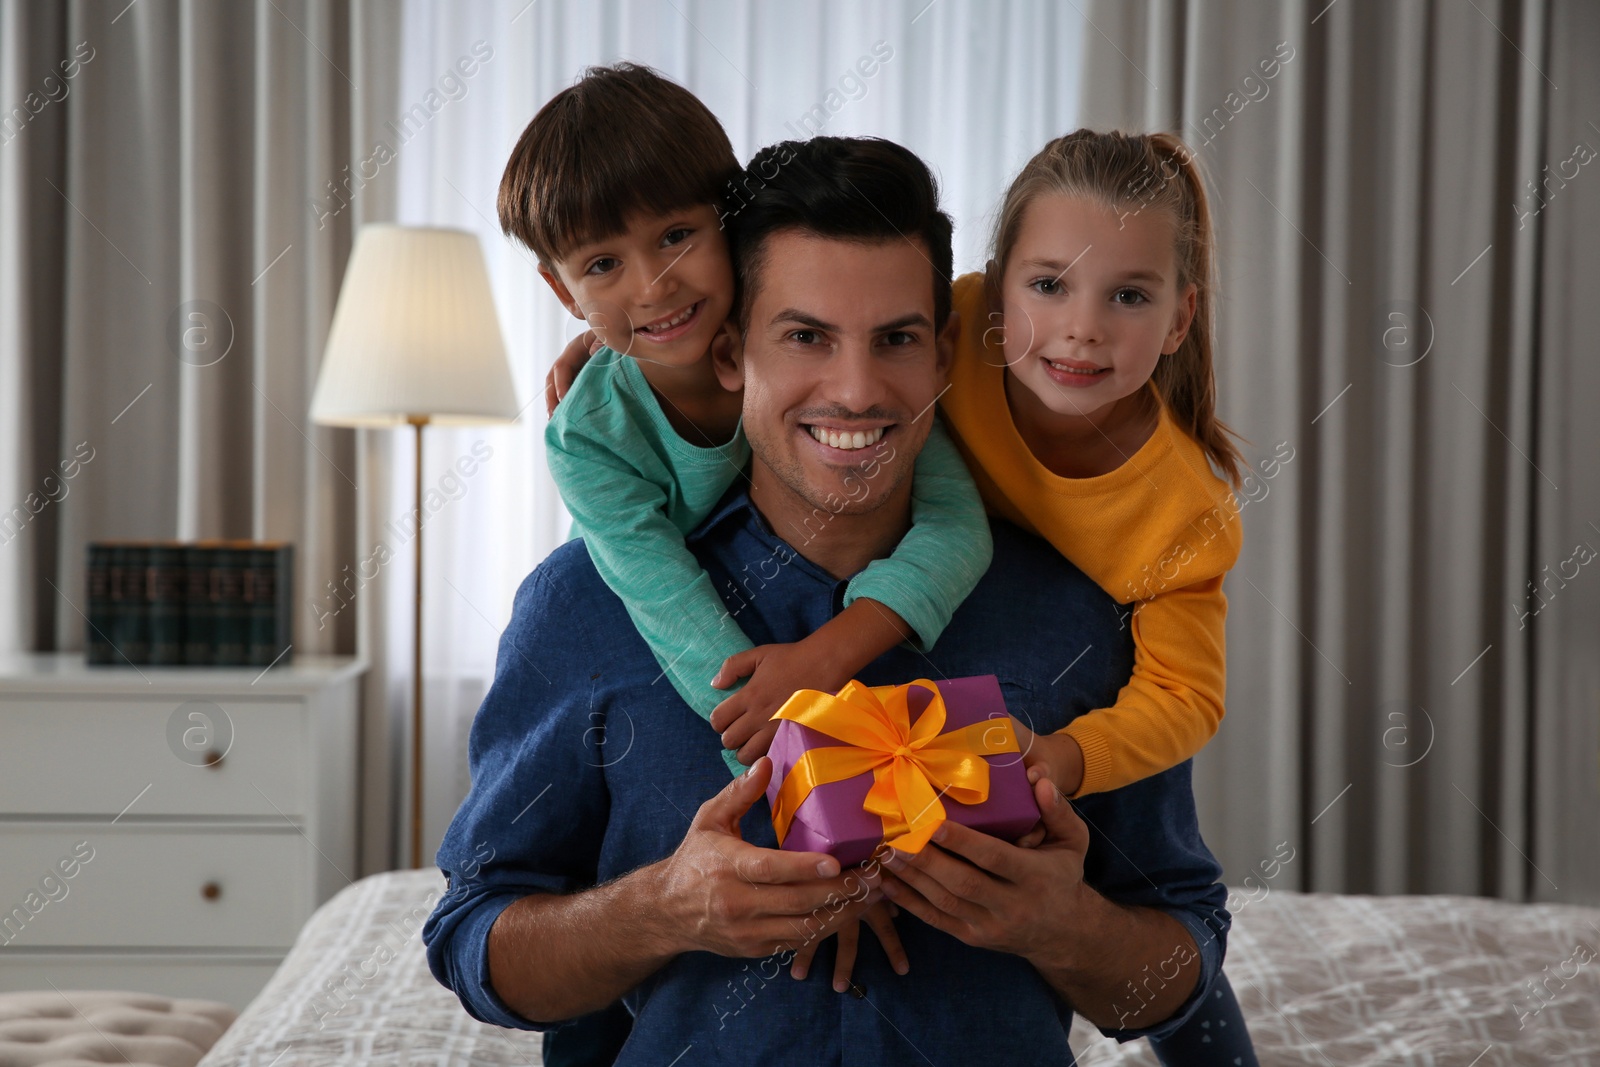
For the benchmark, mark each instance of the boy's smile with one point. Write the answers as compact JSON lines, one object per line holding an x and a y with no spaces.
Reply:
{"x":659,"y":291}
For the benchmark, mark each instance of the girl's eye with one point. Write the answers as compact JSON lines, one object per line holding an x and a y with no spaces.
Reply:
{"x":675,"y":236}
{"x":1046,"y":286}
{"x":603,"y":265}
{"x":1129,"y":297}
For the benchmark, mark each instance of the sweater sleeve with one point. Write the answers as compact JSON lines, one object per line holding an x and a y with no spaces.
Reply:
{"x":946,"y":551}
{"x":1173,"y":702}
{"x":622,"y":516}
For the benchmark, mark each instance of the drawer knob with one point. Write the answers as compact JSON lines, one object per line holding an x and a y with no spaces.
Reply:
{"x":214,"y":760}
{"x":211,"y":891}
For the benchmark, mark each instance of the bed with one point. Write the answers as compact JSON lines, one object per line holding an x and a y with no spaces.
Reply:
{"x":1323,"y":979}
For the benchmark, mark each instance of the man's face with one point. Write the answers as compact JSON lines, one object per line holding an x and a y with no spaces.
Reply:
{"x":840,"y":366}
{"x":658,"y":291}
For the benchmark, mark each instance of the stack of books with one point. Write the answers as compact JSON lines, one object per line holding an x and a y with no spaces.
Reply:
{"x":204,"y":604}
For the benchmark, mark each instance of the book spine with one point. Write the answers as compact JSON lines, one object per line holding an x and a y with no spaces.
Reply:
{"x":135,"y":630}
{"x":97,"y":630}
{"x":197,"y":606}
{"x":165,"y":589}
{"x":231,"y":619}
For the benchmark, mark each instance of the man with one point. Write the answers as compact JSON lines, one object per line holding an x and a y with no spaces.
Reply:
{"x":601,"y":851}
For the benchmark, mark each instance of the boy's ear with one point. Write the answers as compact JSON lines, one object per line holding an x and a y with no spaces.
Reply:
{"x":727,"y":357}
{"x":563,"y":294}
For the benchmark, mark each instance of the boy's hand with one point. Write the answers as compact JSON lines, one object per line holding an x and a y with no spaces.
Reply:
{"x":566,"y":367}
{"x":1053,"y":756}
{"x":880,"y":917}
{"x":776,"y":672}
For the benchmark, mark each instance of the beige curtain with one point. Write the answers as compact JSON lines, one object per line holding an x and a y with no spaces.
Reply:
{"x":1408,"y":308}
{"x":162,"y":160}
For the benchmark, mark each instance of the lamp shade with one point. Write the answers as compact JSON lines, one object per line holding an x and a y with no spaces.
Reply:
{"x":414,"y":334}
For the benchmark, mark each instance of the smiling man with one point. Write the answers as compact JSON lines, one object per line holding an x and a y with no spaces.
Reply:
{"x":620,"y":862}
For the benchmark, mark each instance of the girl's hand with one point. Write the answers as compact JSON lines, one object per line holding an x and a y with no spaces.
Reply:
{"x":880,"y":917}
{"x":1053,"y":756}
{"x":566,"y":367}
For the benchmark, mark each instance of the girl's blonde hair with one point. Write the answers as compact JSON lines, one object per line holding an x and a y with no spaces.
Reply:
{"x":1131,"y":173}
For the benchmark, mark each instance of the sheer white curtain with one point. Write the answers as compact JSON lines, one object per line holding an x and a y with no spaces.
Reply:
{"x":974,"y":88}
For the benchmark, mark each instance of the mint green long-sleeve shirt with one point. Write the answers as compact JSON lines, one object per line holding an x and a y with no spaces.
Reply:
{"x":635,"y":488}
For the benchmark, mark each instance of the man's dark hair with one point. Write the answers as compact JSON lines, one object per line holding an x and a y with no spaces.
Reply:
{"x":622,"y":139}
{"x":850,"y":188}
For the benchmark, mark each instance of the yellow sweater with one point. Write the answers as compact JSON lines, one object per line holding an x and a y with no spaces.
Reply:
{"x":1159,"y":532}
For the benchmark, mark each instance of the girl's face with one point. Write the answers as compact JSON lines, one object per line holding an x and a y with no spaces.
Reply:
{"x":1091,"y":302}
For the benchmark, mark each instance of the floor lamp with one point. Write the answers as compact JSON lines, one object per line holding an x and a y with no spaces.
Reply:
{"x":415,"y":340}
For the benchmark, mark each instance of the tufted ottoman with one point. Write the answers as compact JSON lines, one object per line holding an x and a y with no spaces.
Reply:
{"x":76,"y":1029}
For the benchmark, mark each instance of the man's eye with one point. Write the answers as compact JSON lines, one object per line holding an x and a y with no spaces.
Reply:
{"x":804,"y":337}
{"x":1046,"y":286}
{"x":897,"y":338}
{"x":675,"y":236}
{"x":1129,"y":297}
{"x":603,"y":265}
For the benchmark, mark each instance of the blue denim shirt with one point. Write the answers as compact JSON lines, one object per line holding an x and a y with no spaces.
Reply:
{"x":586,"y":765}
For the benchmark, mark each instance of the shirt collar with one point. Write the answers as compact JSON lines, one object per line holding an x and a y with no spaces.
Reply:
{"x":737,"y":510}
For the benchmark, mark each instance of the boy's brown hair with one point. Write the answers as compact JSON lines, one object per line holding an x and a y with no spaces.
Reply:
{"x":622,"y":139}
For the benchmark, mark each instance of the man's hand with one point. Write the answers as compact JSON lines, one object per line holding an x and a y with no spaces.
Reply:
{"x":1053,"y":757}
{"x":736,"y":899}
{"x":1034,"y":903}
{"x":994,"y":895}
{"x":564,"y":371}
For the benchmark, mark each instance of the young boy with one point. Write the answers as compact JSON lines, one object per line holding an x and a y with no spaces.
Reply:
{"x":618,"y":186}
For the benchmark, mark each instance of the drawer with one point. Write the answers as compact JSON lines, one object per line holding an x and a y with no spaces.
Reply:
{"x":233,"y":979}
{"x":93,"y":756}
{"x":93,"y":885}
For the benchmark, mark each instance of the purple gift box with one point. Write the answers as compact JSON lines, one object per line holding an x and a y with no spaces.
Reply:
{"x":832,"y":818}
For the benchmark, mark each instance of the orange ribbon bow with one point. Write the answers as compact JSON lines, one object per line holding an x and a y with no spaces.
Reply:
{"x":912,"y":765}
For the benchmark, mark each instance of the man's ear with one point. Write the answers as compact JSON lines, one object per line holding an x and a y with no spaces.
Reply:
{"x":944,"y":345}
{"x":563,"y":294}
{"x":727,"y":356}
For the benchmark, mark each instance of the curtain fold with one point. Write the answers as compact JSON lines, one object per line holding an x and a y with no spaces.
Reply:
{"x":1399,"y":313}
{"x":168,"y":271}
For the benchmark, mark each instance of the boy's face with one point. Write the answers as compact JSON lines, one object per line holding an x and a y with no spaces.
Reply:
{"x":658,"y":291}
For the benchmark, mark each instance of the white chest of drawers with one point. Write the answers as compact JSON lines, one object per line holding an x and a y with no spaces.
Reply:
{"x":169,"y":830}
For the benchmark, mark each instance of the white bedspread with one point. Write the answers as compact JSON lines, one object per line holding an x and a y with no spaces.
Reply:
{"x":1327,"y":980}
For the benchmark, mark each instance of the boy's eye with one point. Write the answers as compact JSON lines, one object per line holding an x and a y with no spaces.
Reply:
{"x":602,"y":265}
{"x":1129,"y":297}
{"x":675,"y":236}
{"x":1046,"y":286}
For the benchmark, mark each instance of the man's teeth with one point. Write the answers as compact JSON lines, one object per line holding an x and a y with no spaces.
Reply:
{"x":847,"y":439}
{"x":677,"y":320}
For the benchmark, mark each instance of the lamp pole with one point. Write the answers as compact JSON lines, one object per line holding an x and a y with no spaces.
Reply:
{"x":418,"y":422}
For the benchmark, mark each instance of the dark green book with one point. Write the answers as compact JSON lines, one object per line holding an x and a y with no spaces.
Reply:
{"x":164,"y":599}
{"x":197,"y":615}
{"x":268,"y":590}
{"x":97,"y":630}
{"x":230,"y":640}
{"x":130,"y":615}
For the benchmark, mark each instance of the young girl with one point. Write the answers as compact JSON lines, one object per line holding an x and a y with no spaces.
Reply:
{"x":1082,"y":398}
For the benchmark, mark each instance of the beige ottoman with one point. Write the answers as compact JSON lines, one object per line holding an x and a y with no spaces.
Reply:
{"x":78,"y":1029}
